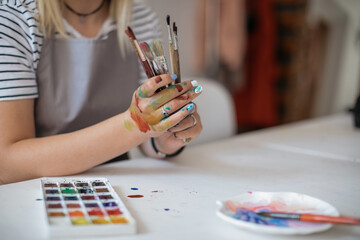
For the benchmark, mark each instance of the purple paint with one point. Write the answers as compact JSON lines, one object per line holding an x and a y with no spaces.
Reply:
{"x":53,"y":199}
{"x":82,"y":184}
{"x":91,"y":205}
{"x":98,"y":184}
{"x":109,"y":204}
{"x":167,"y":209}
{"x":105,"y":197}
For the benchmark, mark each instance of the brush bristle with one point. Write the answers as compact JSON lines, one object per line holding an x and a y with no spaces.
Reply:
{"x":157,"y":47}
{"x":130,"y":33}
{"x":146,"y":50}
{"x":168,"y":19}
{"x":175,"y":28}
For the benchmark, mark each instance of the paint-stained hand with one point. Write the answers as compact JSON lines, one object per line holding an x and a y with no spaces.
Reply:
{"x":156,"y":111}
{"x":180,"y":135}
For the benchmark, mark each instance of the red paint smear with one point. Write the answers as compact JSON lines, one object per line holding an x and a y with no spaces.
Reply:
{"x":143,"y":126}
{"x":179,"y":88}
{"x":155,"y":191}
{"x":135,"y":196}
{"x":137,"y":103}
{"x":250,"y":192}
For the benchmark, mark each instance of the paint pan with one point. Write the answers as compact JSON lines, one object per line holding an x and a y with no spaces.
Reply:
{"x":241,"y":211}
{"x":84,"y":207}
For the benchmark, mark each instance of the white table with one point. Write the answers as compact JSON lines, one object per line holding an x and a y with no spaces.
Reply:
{"x":320,"y":158}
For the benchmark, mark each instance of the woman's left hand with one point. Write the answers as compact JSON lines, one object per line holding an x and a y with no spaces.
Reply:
{"x":180,"y":135}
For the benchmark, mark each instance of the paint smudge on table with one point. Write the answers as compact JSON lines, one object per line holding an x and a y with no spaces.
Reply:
{"x":134,"y":188}
{"x":136,"y":196}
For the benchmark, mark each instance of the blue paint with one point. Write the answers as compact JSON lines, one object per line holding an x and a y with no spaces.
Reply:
{"x":250,"y":216}
{"x":134,"y":188}
{"x":167,"y":209}
{"x":191,"y":106}
{"x":173,"y":76}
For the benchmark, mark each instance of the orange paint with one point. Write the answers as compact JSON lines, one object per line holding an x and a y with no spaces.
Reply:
{"x":76,"y":214}
{"x":143,"y":126}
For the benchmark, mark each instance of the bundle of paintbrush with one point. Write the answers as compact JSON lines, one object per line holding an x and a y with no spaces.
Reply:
{"x":152,"y":56}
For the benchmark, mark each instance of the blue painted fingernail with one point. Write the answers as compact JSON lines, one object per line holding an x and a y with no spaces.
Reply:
{"x":173,"y":76}
{"x":190,"y":106}
{"x":198,"y":89}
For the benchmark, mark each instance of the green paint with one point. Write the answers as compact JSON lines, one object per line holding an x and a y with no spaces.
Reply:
{"x":143,"y":93}
{"x":68,"y":191}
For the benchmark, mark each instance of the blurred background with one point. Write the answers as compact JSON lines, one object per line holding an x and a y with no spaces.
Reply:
{"x":281,"y":61}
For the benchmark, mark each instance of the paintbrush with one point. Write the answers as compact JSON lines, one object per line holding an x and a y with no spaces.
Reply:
{"x":171,"y":45}
{"x":158,"y":51}
{"x":176,"y":61}
{"x":150,"y":56}
{"x":306,"y":217}
{"x":149,"y":72}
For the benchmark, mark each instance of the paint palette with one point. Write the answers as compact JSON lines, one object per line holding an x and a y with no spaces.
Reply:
{"x":84,"y":207}
{"x":250,"y":203}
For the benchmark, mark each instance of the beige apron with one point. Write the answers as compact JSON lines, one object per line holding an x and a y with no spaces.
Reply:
{"x":82,"y":82}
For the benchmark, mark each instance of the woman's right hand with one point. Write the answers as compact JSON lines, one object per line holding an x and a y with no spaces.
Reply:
{"x":156,"y":112}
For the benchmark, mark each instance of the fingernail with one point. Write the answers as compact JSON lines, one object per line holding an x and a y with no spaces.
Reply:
{"x":173,"y":76}
{"x":190,"y":106}
{"x":198,"y":89}
{"x":194,"y":83}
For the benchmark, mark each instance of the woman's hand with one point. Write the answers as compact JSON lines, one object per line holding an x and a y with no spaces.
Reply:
{"x":155,"y":112}
{"x":180,"y":135}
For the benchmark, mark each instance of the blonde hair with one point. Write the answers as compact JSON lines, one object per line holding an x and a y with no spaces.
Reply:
{"x":50,"y":18}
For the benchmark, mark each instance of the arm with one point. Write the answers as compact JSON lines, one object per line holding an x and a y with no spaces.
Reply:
{"x":22,"y":156}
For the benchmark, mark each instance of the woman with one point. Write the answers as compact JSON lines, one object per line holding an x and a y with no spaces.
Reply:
{"x":65,"y":89}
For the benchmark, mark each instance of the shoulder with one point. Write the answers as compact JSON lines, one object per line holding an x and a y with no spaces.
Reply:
{"x":19,"y":27}
{"x":145,"y":21}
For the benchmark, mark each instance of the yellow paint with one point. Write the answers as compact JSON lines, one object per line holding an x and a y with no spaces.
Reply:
{"x":119,"y":220}
{"x":100,"y":221}
{"x":128,"y":125}
{"x":79,"y":221}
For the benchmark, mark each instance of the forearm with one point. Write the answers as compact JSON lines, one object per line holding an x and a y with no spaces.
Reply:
{"x":69,"y":153}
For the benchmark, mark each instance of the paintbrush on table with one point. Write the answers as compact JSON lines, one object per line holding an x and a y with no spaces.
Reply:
{"x":147,"y":68}
{"x":306,"y":217}
{"x":175,"y":64}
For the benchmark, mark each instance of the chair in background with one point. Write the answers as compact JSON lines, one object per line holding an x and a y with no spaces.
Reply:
{"x":217,"y":112}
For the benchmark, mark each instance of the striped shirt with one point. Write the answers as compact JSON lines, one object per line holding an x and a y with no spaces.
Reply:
{"x":21,"y":43}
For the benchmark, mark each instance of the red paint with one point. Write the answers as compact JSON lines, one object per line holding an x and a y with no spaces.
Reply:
{"x":250,"y":192}
{"x":155,"y":191}
{"x":158,"y":79}
{"x":135,"y":196}
{"x":96,"y":212}
{"x":143,"y":126}
{"x":115,"y":211}
{"x":179,"y":87}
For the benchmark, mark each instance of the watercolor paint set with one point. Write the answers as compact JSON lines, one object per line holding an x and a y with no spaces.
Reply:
{"x":84,"y":207}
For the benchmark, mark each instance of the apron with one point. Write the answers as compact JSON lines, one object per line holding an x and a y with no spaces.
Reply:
{"x":82,"y":82}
